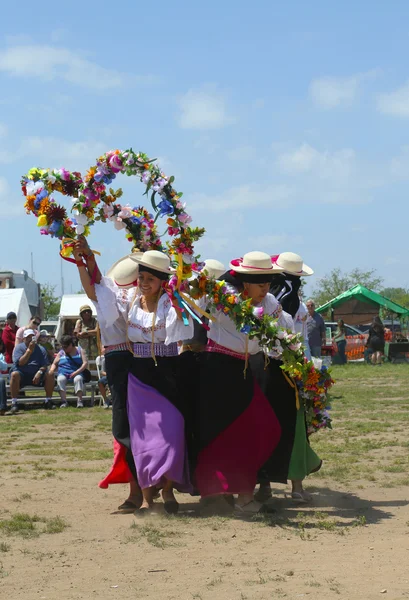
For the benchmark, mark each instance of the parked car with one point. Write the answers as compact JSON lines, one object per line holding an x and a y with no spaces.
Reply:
{"x":356,"y":341}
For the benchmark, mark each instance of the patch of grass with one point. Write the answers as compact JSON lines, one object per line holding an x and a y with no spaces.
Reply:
{"x":31,"y":526}
{"x":55,"y":525}
{"x":4,"y":547}
{"x":160,"y":538}
{"x":21,"y":524}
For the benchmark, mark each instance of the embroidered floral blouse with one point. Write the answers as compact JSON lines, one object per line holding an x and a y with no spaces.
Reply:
{"x":122,"y":304}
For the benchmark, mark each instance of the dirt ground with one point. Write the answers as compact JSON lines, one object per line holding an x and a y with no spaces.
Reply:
{"x":352,"y":542}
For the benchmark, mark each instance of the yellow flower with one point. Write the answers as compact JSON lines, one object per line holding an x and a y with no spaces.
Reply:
{"x":66,"y":251}
{"x":42,"y":221}
{"x":89,"y":214}
{"x":231,"y":299}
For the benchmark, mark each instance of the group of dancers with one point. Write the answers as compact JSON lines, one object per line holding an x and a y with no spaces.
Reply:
{"x":199,"y":409}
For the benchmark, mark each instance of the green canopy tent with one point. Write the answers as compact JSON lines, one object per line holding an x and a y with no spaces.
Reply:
{"x":359,"y":304}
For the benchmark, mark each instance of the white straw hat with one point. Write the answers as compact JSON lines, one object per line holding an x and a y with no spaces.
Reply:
{"x":158,"y":261}
{"x":214,"y":268}
{"x":293,"y":264}
{"x":256,"y":263}
{"x":125,"y":271}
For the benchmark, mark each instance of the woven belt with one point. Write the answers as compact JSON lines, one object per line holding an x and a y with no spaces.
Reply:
{"x":213,"y":347}
{"x":116,"y":348}
{"x":159,"y":349}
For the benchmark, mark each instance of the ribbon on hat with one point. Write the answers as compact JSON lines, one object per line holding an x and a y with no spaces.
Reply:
{"x":238,"y":262}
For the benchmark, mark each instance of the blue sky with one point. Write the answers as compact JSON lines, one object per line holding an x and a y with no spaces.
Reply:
{"x":285,"y":124}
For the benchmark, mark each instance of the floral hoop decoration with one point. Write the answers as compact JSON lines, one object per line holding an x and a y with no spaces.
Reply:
{"x":37,"y":186}
{"x":93,"y":191}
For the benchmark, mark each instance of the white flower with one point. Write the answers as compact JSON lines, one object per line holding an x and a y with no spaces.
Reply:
{"x":280,"y":334}
{"x":32,"y":187}
{"x":79,"y":229}
{"x":295,"y":347}
{"x":80,"y":218}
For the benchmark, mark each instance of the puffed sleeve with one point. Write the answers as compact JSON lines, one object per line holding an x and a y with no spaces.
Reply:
{"x":176,"y":330}
{"x":113,"y":302}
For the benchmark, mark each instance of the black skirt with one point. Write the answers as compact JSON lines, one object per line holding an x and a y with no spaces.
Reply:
{"x":117,"y":366}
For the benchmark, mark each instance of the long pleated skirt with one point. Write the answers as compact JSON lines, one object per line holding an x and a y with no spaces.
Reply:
{"x":236,"y":427}
{"x":156,"y":406}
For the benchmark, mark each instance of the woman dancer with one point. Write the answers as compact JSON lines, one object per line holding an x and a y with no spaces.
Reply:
{"x":155,"y":398}
{"x":293,"y":458}
{"x":236,"y":427}
{"x":122,"y":278}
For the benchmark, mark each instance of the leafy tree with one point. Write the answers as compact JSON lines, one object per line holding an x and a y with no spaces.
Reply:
{"x":50,"y":300}
{"x":398,"y":295}
{"x":337,"y":282}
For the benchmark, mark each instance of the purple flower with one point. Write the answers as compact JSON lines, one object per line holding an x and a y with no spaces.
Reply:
{"x":115,"y":163}
{"x":146,"y":175}
{"x":166,"y":207}
{"x":90,"y":194}
{"x":44,"y":231}
{"x":159,"y":184}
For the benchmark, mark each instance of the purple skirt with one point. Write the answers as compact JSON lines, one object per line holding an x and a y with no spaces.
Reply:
{"x":157,"y":430}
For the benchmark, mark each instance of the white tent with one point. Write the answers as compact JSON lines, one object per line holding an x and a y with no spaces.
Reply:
{"x":71,"y":304}
{"x":15,"y":300}
{"x":70,"y":309}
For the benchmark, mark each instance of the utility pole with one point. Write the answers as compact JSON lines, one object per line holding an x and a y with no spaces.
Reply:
{"x":62,"y":280}
{"x":32,"y":266}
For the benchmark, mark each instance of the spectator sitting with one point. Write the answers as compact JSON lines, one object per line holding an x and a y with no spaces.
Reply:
{"x":316,"y":330}
{"x":3,"y":369}
{"x":70,"y":363}
{"x":9,"y":336}
{"x":33,"y":325}
{"x":103,"y":381}
{"x":86,"y":332}
{"x":30,"y":368}
{"x":44,"y":342}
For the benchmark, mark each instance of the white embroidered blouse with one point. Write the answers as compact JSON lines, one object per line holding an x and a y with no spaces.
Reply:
{"x":124,"y":305}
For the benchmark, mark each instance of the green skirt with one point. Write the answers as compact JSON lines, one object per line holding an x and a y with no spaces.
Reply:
{"x":303,"y":458}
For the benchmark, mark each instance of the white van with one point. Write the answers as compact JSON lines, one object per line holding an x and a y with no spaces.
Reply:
{"x":70,"y":313}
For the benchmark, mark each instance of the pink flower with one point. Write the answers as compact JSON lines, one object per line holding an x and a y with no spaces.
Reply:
{"x":108,"y":211}
{"x":115,"y":163}
{"x":125,"y":212}
{"x":184,"y":218}
{"x":258,"y":311}
{"x":64,"y":174}
{"x":44,"y":230}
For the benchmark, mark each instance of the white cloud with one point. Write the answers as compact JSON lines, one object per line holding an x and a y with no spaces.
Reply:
{"x":204,"y":108}
{"x":330,"y":92}
{"x":329,"y":177}
{"x":242,"y":153}
{"x":48,"y":63}
{"x":307,"y":159}
{"x":49,"y":152}
{"x":244,"y":196}
{"x":395,"y":103}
